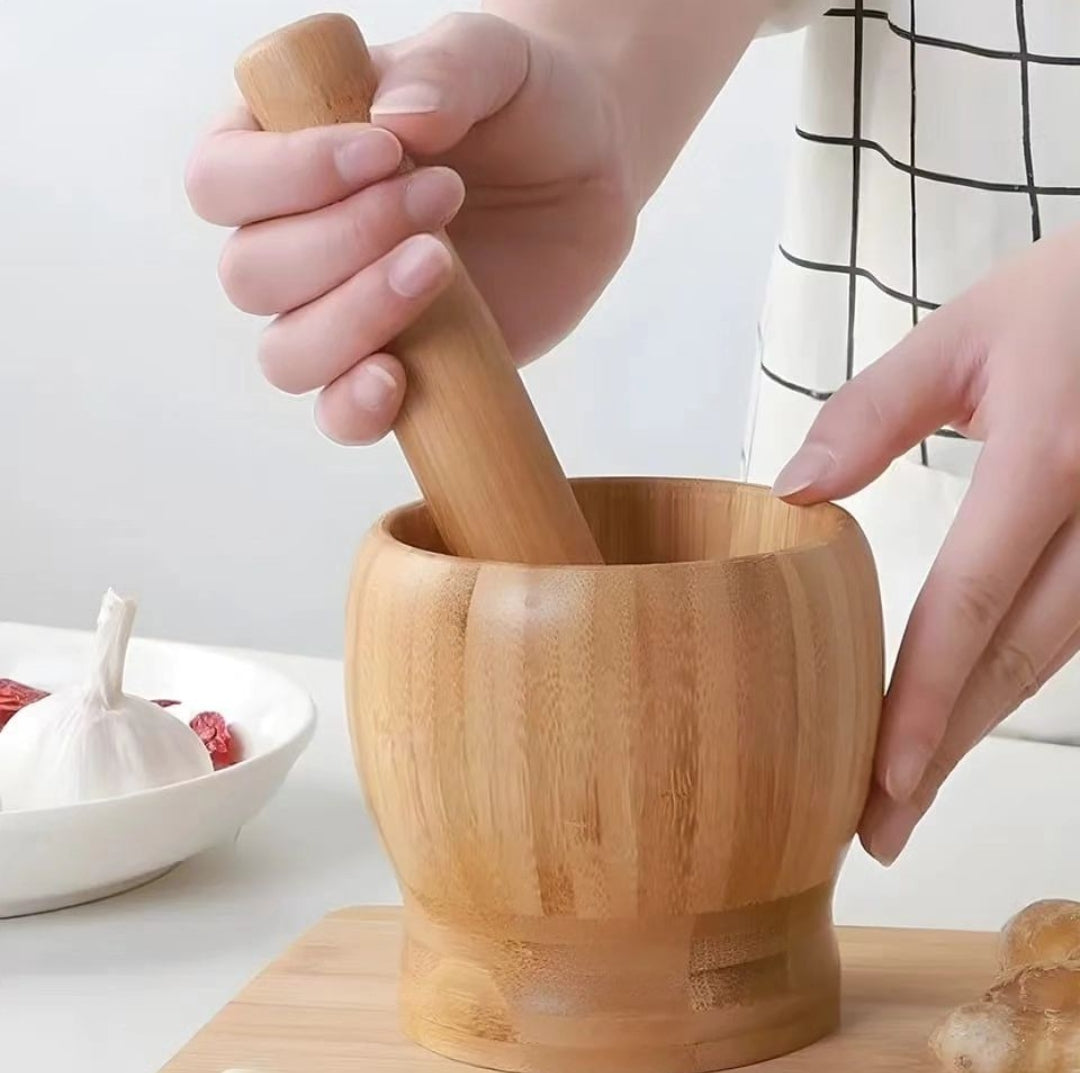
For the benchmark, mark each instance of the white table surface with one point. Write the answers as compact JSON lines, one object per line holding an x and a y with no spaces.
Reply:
{"x":120,"y":986}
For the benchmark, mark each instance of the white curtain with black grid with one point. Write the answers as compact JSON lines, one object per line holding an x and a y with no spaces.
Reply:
{"x":934,"y":138}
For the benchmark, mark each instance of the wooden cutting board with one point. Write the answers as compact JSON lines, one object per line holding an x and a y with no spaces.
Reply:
{"x":328,"y":1005}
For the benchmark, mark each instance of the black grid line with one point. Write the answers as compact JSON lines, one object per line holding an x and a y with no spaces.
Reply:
{"x":924,"y":451}
{"x":936,"y":176}
{"x":856,"y":182}
{"x":823,"y":396}
{"x":799,"y":389}
{"x":956,"y":46}
{"x":1025,"y":98}
{"x":912,"y":177}
{"x":862,"y":273}
{"x":856,"y":144}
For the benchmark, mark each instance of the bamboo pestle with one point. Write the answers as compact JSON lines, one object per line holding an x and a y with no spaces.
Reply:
{"x":467,"y":427}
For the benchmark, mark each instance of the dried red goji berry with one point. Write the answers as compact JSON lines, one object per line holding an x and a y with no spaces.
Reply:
{"x":219,"y":740}
{"x":14,"y":696}
{"x":167,"y":703}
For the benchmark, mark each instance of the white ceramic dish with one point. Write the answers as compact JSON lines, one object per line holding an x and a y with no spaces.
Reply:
{"x":59,"y":857}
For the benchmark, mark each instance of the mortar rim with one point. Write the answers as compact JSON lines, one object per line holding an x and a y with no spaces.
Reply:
{"x":845,"y":524}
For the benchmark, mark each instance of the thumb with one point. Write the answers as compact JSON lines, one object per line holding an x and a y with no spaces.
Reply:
{"x":918,"y":387}
{"x":435,"y":87}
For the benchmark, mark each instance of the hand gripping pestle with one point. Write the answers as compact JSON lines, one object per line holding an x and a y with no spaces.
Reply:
{"x":467,"y":427}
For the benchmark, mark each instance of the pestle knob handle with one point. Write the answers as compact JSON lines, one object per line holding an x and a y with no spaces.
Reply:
{"x":467,"y":427}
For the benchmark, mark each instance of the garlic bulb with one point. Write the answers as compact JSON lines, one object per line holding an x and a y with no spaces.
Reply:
{"x":93,"y":741}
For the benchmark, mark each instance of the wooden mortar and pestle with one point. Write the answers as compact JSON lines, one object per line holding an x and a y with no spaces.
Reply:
{"x":616,"y":733}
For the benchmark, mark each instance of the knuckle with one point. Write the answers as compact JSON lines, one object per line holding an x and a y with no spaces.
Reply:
{"x":938,"y":770}
{"x":458,"y":27}
{"x":199,"y":184}
{"x":306,"y":160}
{"x":1065,"y":455}
{"x":445,"y":45}
{"x":862,"y":394}
{"x":241,"y":278}
{"x":976,"y":600}
{"x":877,"y":417}
{"x":873,"y":406}
{"x":368,"y":218}
{"x":930,"y":694}
{"x":277,"y":361}
{"x":857,"y":404}
{"x":1012,"y":672}
{"x":457,"y":22}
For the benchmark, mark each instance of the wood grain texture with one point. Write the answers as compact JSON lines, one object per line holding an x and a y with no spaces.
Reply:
{"x":617,"y":798}
{"x":329,"y":1005}
{"x":467,"y":426}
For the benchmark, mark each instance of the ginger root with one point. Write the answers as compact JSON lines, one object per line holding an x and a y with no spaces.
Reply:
{"x":1029,"y":1020}
{"x":1044,"y":932}
{"x":991,"y":1037}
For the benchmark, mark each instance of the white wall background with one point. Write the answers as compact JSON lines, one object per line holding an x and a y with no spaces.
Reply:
{"x":139,"y":447}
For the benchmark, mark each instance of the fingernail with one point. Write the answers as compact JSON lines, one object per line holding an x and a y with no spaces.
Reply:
{"x":416,"y":98}
{"x":808,"y":467}
{"x":892,"y":834}
{"x":369,"y":155}
{"x":418,"y":265}
{"x":373,"y":387}
{"x":905,"y":772}
{"x":433,"y":196}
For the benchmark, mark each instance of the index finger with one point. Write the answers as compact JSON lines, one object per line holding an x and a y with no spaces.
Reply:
{"x":240,"y":174}
{"x":1012,"y":510}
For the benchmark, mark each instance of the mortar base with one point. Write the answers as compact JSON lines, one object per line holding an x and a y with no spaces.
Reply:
{"x":683,"y":995}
